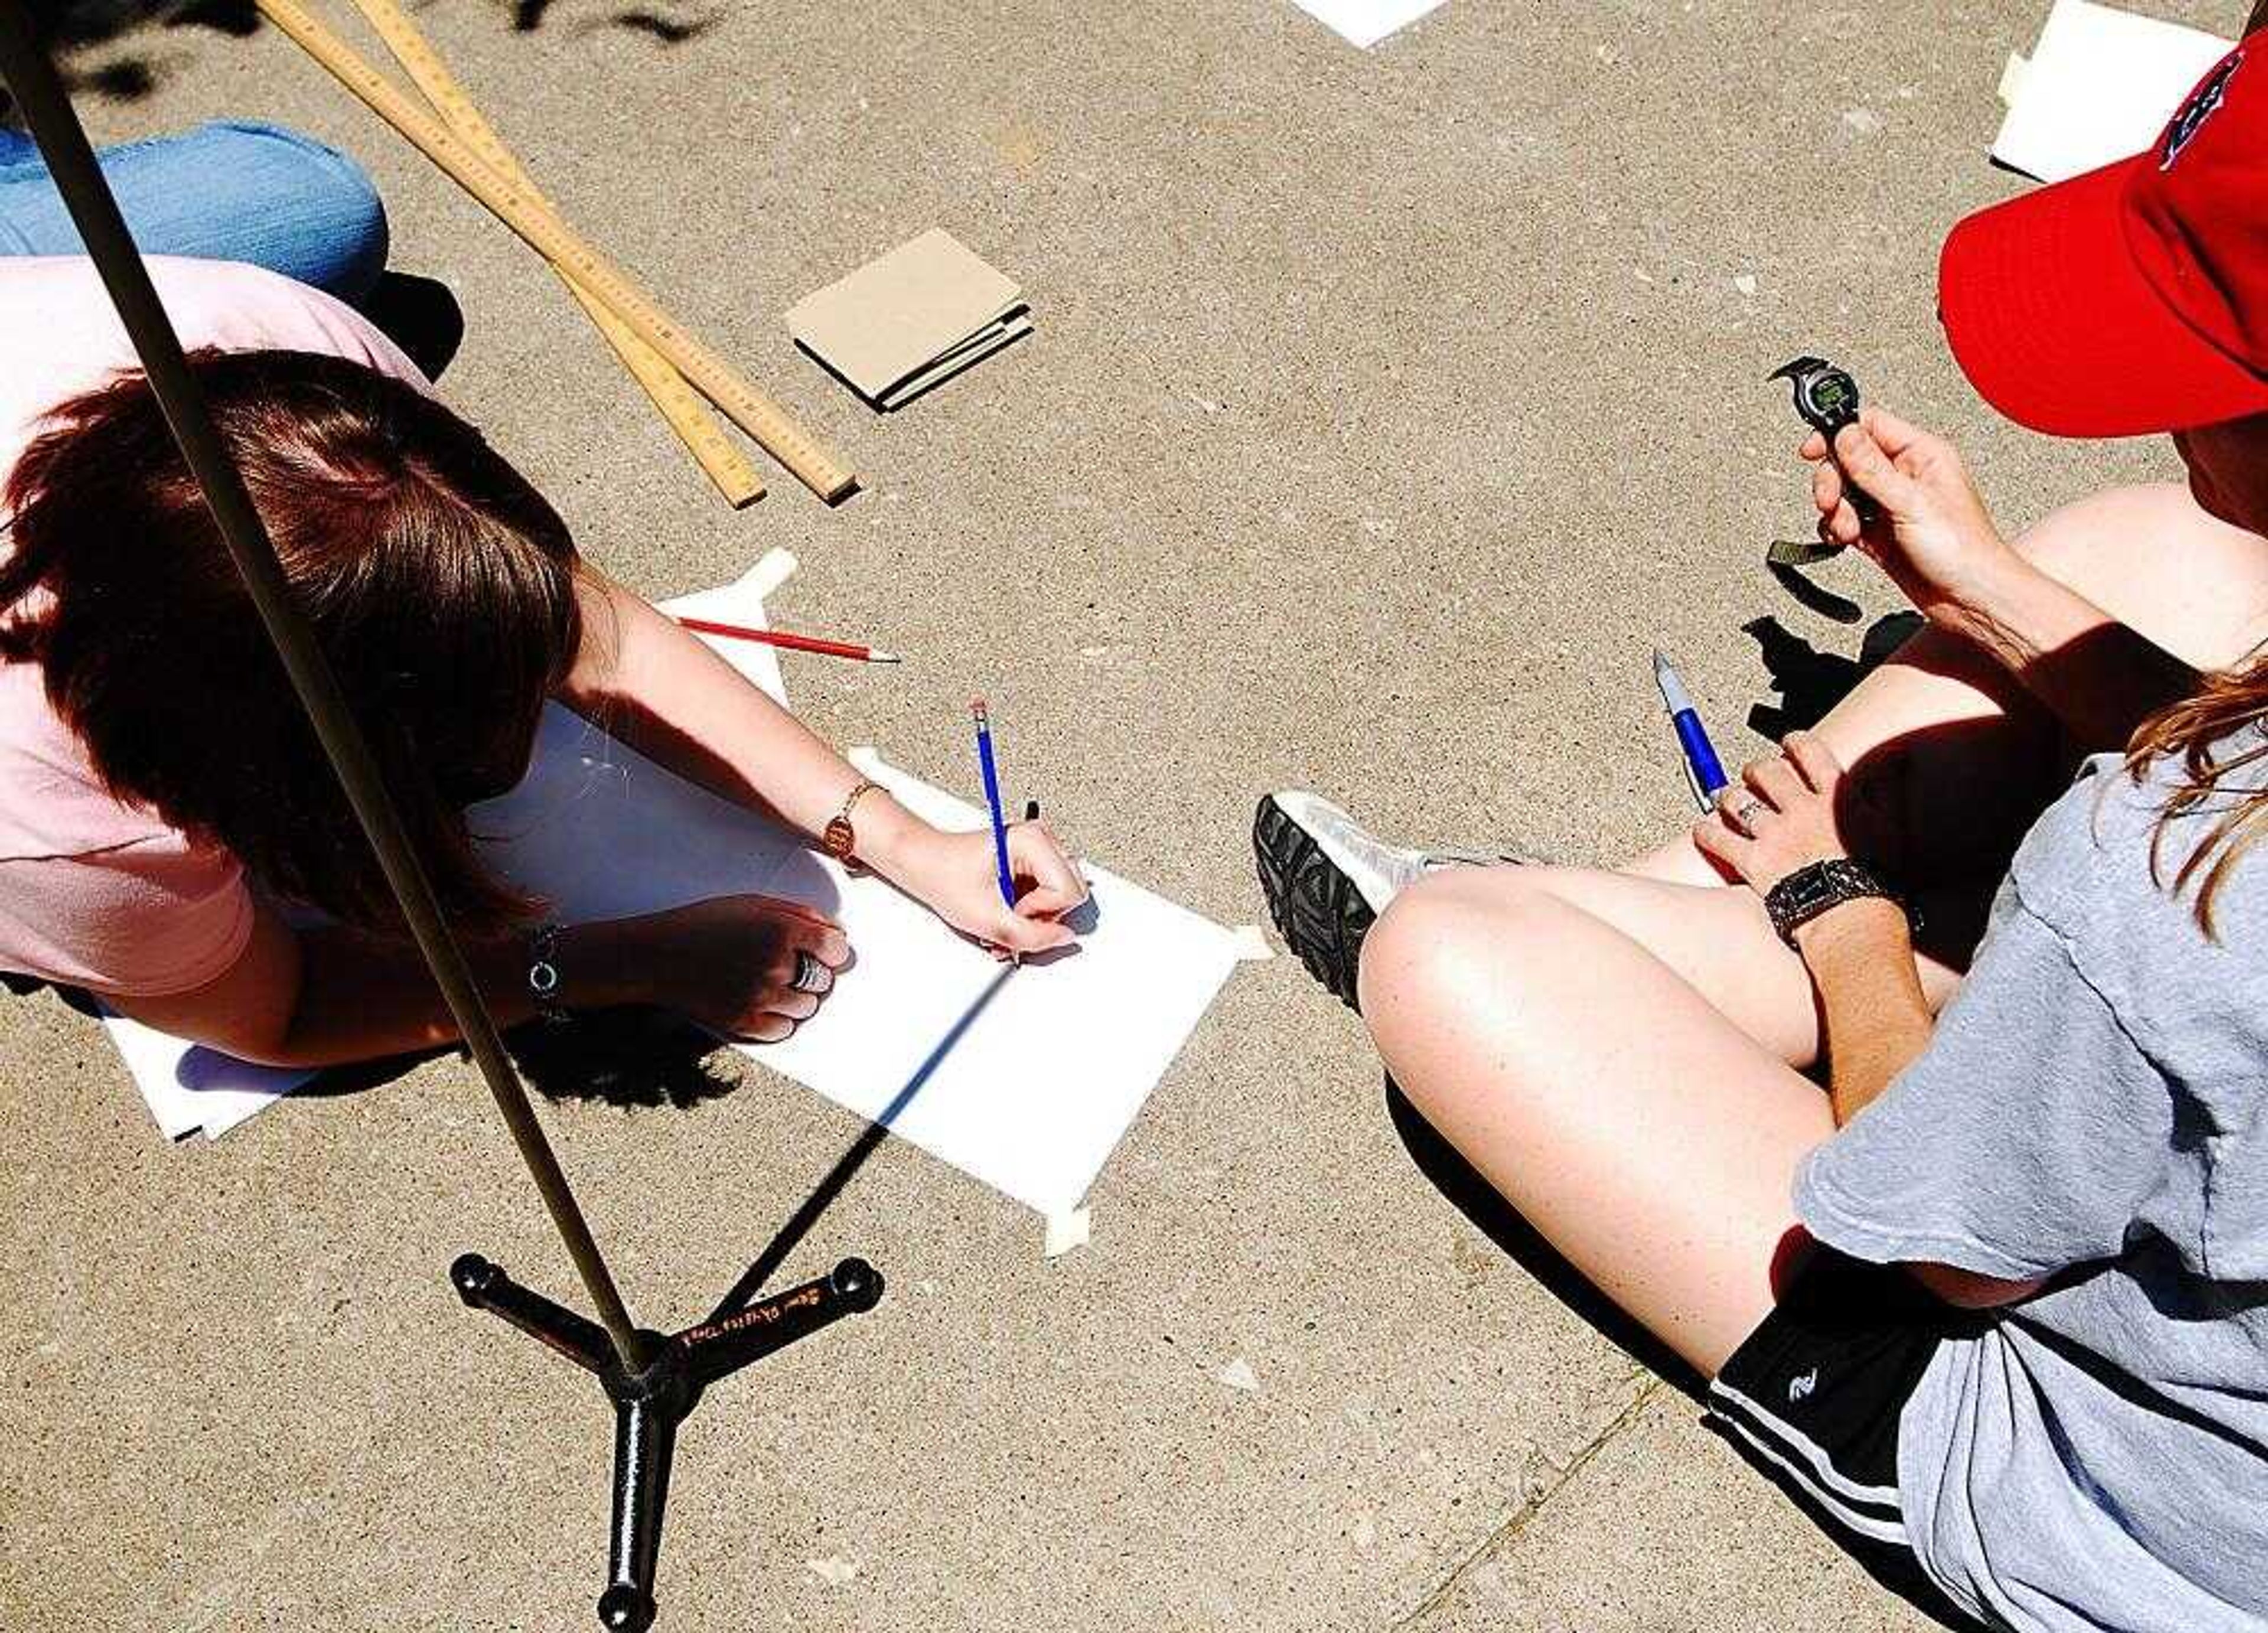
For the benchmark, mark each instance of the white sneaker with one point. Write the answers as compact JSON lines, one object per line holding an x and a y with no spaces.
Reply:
{"x":1327,"y":880}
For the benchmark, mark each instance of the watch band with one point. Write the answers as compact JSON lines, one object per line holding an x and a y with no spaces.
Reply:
{"x":1812,"y":890}
{"x":543,"y":973}
{"x":839,"y":837}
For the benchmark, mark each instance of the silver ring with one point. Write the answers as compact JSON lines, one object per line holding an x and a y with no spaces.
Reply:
{"x":1746,"y":815}
{"x":811,"y":975}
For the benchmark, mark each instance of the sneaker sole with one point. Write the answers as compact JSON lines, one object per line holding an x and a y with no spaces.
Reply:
{"x":1316,"y":908}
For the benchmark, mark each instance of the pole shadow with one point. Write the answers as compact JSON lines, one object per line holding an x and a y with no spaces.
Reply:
{"x":832,"y":1184}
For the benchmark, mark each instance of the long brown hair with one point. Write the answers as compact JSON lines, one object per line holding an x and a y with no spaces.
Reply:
{"x":2206,"y":733}
{"x":439,"y":583}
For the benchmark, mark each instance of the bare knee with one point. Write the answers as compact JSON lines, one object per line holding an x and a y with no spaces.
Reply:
{"x":1420,"y":960}
{"x":2153,"y":560}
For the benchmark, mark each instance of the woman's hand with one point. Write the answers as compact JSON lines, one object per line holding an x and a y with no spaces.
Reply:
{"x":729,"y":963}
{"x":1779,"y":818}
{"x":1931,"y":534}
{"x":957,"y":877}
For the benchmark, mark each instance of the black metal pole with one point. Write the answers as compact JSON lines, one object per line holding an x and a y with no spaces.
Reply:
{"x":53,"y":124}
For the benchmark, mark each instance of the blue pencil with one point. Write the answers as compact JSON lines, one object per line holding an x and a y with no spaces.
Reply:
{"x":993,"y":799}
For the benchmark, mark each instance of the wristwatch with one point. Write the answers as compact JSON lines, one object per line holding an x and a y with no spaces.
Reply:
{"x":1826,"y":400}
{"x":1804,"y":894}
{"x":1826,"y":397}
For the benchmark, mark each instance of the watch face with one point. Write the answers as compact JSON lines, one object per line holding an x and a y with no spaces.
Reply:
{"x":1833,"y":395}
{"x":1810,"y":890}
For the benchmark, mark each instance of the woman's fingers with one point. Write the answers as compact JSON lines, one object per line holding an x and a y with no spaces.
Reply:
{"x":1774,"y":780}
{"x":1831,"y":496}
{"x":1826,"y":486}
{"x":824,"y":941}
{"x":1019,"y":934}
{"x":1868,"y":464}
{"x":1896,"y":435}
{"x":1035,"y":854}
{"x":1737,"y":807}
{"x":1713,"y":839}
{"x":791,"y":1003}
{"x":1812,"y":759}
{"x":1045,"y":901}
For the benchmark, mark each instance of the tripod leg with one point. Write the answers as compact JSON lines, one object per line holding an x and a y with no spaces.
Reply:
{"x":645,"y":1434}
{"x":715,"y":1347}
{"x":484,"y":1286}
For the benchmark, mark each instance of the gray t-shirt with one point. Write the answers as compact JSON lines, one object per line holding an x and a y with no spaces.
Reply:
{"x":2093,"y":1106}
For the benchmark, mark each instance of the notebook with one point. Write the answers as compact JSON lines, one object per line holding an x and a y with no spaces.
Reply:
{"x":904,"y":323}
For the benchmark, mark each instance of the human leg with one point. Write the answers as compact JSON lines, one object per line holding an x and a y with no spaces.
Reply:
{"x":228,"y":191}
{"x":1953,"y":759}
{"x":1651,"y":1140}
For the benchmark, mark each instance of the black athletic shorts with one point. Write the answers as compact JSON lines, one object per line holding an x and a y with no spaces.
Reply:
{"x":1812,"y":1400}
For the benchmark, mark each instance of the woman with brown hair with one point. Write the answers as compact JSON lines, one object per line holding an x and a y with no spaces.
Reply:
{"x":171,"y":835}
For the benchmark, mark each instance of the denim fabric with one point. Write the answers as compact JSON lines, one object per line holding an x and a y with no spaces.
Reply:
{"x":228,"y":191}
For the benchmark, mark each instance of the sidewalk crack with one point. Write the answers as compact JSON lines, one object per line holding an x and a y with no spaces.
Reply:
{"x":1521,"y":1517}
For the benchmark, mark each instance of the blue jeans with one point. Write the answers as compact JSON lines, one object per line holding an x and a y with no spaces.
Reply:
{"x":228,"y":191}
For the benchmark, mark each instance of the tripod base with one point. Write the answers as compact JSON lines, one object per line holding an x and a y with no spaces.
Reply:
{"x":649,"y":1403}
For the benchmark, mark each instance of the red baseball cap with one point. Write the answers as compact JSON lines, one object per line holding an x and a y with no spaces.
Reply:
{"x":2133,"y":298}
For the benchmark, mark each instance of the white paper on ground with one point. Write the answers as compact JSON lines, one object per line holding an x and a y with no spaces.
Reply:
{"x":2012,"y":80}
{"x":1025,"y":1077}
{"x":1044,"y":1067}
{"x":1366,"y":22}
{"x":189,"y":1088}
{"x":2099,"y":87}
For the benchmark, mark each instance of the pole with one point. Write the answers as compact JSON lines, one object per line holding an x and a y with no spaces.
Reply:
{"x":55,"y":126}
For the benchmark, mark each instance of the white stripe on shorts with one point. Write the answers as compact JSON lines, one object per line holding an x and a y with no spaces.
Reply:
{"x":1822,"y":1467}
{"x":1864,"y":1525}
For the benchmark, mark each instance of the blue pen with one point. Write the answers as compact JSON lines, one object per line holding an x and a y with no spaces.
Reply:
{"x":993,"y":799}
{"x":1703,"y":773}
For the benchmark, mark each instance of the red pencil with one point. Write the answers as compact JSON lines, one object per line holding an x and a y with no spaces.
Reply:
{"x":793,"y":643}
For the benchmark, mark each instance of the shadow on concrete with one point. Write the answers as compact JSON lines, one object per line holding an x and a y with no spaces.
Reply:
{"x":1473,"y":1196}
{"x":73,"y":26}
{"x":631,"y":1057}
{"x":809,"y":1210}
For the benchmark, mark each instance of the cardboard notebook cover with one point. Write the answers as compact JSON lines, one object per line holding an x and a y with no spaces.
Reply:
{"x":900,"y":323}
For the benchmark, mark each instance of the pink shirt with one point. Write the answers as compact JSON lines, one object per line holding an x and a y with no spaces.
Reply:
{"x":94,"y":893}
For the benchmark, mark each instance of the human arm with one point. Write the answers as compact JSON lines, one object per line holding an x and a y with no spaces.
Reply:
{"x":326,"y":995}
{"x":1780,"y":818}
{"x":1875,"y":1021}
{"x":648,"y":680}
{"x":1932,"y":535}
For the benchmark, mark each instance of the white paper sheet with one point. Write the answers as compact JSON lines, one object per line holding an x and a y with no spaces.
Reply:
{"x":1366,"y":22}
{"x":190,"y":1089}
{"x":1024,"y":1077}
{"x":1035,"y":1092}
{"x":2099,"y":87}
